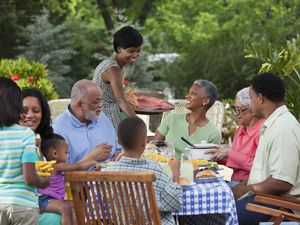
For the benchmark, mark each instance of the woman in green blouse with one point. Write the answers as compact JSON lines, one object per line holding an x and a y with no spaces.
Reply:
{"x":193,"y":125}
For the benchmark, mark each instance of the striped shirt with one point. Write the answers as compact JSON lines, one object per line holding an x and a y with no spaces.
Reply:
{"x":17,"y":146}
{"x":168,"y":194}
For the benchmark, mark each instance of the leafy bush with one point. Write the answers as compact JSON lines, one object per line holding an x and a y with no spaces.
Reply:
{"x":285,"y":61}
{"x":28,"y":75}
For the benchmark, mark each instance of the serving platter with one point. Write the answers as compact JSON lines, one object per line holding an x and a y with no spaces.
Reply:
{"x":205,"y":179}
{"x":188,"y":185}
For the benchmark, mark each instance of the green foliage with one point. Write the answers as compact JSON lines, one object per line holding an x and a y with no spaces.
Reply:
{"x":146,"y":74}
{"x":292,"y":100}
{"x":15,"y":15}
{"x":48,"y":44}
{"x":28,"y":75}
{"x":229,"y":124}
{"x":285,"y":61}
{"x":210,"y":37}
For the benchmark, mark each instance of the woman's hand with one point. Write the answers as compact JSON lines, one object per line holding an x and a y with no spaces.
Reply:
{"x":219,"y":153}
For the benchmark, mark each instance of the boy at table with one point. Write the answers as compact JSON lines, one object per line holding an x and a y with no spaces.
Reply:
{"x":132,"y":135}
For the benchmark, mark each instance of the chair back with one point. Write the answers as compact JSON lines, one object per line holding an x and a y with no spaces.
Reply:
{"x":114,"y":198}
{"x":58,"y":106}
{"x":278,"y":208}
{"x":215,"y":114}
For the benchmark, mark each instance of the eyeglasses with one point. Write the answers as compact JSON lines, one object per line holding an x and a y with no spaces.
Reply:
{"x":238,"y":110}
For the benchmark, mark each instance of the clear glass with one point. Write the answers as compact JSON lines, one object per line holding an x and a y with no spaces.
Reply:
{"x":186,"y":166}
{"x":186,"y":156}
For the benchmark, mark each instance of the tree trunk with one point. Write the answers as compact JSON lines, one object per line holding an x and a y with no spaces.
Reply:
{"x":145,"y":11}
{"x":106,"y":15}
{"x":116,"y":4}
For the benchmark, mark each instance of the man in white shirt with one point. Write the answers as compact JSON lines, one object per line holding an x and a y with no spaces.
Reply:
{"x":276,"y":167}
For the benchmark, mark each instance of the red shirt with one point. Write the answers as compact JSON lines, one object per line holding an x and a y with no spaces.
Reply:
{"x":243,"y":151}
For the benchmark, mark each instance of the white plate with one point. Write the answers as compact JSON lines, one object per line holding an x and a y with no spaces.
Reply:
{"x":210,"y":178}
{"x":206,"y":145}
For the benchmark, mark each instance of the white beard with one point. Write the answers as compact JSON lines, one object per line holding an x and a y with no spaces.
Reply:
{"x":91,"y":115}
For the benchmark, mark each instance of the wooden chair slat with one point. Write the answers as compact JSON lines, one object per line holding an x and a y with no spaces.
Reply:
{"x":153,"y":203}
{"x":145,"y":200}
{"x":133,"y":199}
{"x":129,"y":202}
{"x":101,"y":205}
{"x":140,"y":206}
{"x":279,"y":201}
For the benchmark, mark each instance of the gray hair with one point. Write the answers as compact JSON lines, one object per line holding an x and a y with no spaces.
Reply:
{"x":80,"y":89}
{"x":210,"y":90}
{"x":244,"y":97}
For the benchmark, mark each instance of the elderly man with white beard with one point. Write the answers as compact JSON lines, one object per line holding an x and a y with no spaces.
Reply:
{"x":87,"y":130}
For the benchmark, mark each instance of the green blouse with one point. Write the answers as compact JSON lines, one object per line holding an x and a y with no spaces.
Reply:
{"x":174,"y":126}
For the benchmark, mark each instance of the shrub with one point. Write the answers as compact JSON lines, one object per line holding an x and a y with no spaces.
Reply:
{"x":28,"y":75}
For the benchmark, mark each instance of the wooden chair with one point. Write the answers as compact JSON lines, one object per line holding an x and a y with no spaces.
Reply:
{"x":58,"y":106}
{"x":277,"y":215}
{"x":114,"y":198}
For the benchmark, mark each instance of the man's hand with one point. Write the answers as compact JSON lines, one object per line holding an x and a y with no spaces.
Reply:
{"x":241,"y":189}
{"x":100,"y":153}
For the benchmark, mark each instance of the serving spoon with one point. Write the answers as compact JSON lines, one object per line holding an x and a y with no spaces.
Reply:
{"x":188,"y":142}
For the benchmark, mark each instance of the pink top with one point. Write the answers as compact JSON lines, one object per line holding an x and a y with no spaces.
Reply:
{"x":243,"y":151}
{"x":56,"y":188}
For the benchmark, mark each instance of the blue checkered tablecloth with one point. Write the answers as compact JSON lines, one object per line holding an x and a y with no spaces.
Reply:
{"x":212,"y":197}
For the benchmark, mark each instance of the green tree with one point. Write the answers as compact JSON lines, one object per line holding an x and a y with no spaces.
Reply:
{"x":210,"y":37}
{"x":48,"y":44}
{"x":14,"y":15}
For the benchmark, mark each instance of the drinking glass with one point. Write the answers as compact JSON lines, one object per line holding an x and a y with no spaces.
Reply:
{"x":170,"y":149}
{"x":186,"y":156}
{"x":186,"y":167}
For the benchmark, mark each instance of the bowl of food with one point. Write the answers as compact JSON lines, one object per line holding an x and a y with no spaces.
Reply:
{"x":163,"y":148}
{"x":200,"y":152}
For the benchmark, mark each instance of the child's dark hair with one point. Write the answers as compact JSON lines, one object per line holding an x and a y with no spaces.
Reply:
{"x":131,"y":129}
{"x":51,"y":141}
{"x":10,"y":102}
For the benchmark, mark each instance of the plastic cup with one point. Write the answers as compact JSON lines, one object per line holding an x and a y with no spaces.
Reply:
{"x":68,"y":195}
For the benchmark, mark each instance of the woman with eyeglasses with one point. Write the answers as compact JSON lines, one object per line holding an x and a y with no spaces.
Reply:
{"x":242,"y":152}
{"x":108,"y":74}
